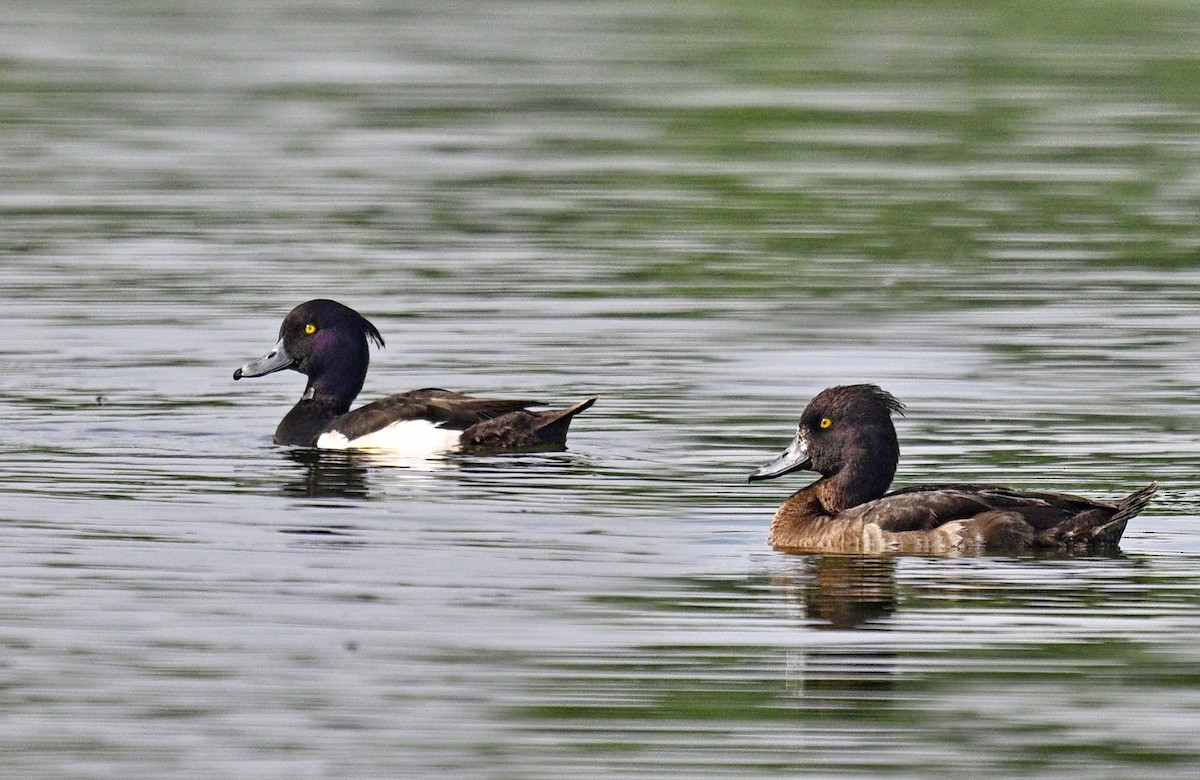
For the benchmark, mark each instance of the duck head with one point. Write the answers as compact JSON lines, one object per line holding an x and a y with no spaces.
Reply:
{"x":325,"y":341}
{"x":846,"y":435}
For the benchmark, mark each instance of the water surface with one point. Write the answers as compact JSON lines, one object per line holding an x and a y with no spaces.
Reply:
{"x":703,"y":214}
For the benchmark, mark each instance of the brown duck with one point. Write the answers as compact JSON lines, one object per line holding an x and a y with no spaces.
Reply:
{"x":846,"y":435}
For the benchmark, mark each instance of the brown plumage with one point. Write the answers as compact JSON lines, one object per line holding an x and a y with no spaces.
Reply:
{"x":847,"y":436}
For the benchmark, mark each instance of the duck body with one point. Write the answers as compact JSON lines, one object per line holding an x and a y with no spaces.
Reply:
{"x":328,"y":342}
{"x":847,"y":436}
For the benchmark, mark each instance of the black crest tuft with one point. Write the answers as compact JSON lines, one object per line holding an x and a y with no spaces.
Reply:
{"x":372,"y":332}
{"x":890,"y":401}
{"x":847,"y":399}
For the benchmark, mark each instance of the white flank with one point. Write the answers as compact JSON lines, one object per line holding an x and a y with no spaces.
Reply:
{"x":405,"y":437}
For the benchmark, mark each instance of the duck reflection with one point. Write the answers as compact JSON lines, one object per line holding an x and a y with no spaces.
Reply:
{"x":344,"y":473}
{"x":843,"y":592}
{"x":326,"y":474}
{"x":847,"y":591}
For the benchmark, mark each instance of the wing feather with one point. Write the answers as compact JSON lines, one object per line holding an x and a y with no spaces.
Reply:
{"x":451,"y":410}
{"x":929,"y":506}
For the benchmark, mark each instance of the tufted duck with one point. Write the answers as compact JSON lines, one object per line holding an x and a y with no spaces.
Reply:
{"x":846,"y":435}
{"x":327,"y":342}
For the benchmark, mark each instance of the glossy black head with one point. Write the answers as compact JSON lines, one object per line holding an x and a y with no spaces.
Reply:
{"x":326,"y":341}
{"x":845,"y":432}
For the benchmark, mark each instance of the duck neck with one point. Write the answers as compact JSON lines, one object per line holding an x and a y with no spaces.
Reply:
{"x":322,"y":403}
{"x":332,"y":392}
{"x":305,"y":422}
{"x":856,"y":483}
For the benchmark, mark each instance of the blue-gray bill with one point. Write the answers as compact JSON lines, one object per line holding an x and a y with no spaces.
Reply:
{"x":794,"y":458}
{"x":276,"y":360}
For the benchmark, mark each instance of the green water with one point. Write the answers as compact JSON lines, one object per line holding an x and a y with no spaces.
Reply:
{"x":704,"y":213}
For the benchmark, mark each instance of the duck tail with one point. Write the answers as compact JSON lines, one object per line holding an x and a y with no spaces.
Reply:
{"x":1129,"y":507}
{"x":551,"y":426}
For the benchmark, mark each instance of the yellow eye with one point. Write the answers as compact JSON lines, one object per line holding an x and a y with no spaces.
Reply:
{"x":310,"y":328}
{"x":825,"y":422}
